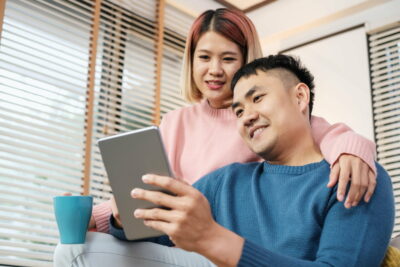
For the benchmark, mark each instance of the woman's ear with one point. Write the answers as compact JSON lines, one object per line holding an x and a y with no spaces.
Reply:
{"x":302,"y":96}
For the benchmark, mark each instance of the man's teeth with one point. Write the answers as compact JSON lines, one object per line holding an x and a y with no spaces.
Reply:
{"x":258,"y":131}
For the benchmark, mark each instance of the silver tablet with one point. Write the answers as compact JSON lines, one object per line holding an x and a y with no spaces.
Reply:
{"x":127,"y":157}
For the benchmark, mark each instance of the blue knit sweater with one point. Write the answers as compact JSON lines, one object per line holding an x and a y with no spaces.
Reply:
{"x":289,"y":217}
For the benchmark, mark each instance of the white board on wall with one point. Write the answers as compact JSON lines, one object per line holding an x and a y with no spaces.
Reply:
{"x":342,"y":83}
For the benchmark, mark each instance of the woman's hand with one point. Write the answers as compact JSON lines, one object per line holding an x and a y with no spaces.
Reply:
{"x":363,"y":179}
{"x":115,"y":212}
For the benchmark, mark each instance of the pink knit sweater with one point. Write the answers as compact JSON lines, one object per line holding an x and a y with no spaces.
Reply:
{"x":199,"y":139}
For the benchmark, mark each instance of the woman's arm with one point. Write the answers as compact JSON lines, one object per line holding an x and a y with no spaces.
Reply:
{"x":351,"y":157}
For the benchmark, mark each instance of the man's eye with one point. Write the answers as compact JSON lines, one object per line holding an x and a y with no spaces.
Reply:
{"x":257,"y":98}
{"x":239,"y":113}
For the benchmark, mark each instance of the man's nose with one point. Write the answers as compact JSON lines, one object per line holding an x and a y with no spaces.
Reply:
{"x":250,"y":117}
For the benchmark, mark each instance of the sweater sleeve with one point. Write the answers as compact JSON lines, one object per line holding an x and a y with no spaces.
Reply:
{"x":101,"y":214}
{"x":338,"y":139}
{"x":350,"y":237}
{"x":120,"y":234}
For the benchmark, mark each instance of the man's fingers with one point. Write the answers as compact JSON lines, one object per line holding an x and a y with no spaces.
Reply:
{"x":175,"y":186}
{"x":371,"y":185}
{"x":156,"y":214}
{"x":334,"y":175}
{"x":161,"y":226}
{"x":67,"y":194}
{"x":156,"y":197}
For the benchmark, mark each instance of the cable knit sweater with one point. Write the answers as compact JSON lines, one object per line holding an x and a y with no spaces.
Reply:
{"x":200,"y":139}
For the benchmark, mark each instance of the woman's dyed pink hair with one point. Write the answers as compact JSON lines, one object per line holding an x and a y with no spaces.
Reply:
{"x":233,"y":25}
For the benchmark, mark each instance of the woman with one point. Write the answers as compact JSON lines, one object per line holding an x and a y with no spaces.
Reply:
{"x":203,"y":137}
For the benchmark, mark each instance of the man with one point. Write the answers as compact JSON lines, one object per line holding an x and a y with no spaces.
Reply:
{"x":278,"y":212}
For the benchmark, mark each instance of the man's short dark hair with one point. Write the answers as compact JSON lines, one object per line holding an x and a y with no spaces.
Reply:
{"x":276,"y":62}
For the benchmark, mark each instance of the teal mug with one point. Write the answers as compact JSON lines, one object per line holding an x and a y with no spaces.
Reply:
{"x":73,"y":215}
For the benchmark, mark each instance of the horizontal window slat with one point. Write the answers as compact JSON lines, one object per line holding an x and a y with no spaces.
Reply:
{"x":30,"y":229}
{"x":25,"y":245}
{"x":387,"y":121}
{"x":385,"y":72}
{"x":388,"y":127}
{"x":387,"y":140}
{"x":30,"y":65}
{"x":385,"y":63}
{"x":383,"y":96}
{"x":384,"y":46}
{"x":384,"y":40}
{"x":53,"y":187}
{"x":385,"y":83}
{"x":13,"y":111}
{"x":19,"y":211}
{"x":68,"y":19}
{"x":9,"y":161}
{"x":37,"y":130}
{"x":379,"y":108}
{"x":12,"y":261}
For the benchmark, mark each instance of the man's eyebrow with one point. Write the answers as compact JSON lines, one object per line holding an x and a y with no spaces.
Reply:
{"x":249,"y":93}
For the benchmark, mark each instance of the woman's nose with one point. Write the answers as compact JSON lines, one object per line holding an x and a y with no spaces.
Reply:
{"x":215,"y":68}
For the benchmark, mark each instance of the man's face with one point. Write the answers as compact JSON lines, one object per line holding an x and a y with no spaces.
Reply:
{"x":267,"y":113}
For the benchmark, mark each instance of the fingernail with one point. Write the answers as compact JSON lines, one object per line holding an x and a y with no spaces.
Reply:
{"x":146,"y":178}
{"x":135,"y":192}
{"x":340,"y":197}
{"x":347,"y":205}
{"x":138,"y":213}
{"x":355,"y":204}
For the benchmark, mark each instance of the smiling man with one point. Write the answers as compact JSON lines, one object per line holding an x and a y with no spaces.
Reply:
{"x":278,"y":212}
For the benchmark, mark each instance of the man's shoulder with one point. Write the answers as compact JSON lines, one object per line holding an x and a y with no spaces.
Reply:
{"x":383,"y":178}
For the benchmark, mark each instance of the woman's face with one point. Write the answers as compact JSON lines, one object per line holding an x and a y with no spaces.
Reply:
{"x":216,"y":59}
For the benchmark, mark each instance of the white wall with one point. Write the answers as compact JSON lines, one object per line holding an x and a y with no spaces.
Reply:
{"x":342,"y":87}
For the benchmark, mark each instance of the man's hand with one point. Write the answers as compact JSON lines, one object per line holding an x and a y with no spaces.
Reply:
{"x":363,"y":179}
{"x":188,"y":221}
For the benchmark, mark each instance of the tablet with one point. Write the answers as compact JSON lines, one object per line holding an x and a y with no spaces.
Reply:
{"x":127,"y":157}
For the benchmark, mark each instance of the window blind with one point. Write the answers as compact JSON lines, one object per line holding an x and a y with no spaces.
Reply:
{"x":45,"y":65}
{"x":43,"y":73}
{"x":125,"y":80}
{"x":384,"y":49}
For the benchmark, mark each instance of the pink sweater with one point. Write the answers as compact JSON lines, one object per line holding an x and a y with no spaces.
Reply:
{"x":199,"y":139}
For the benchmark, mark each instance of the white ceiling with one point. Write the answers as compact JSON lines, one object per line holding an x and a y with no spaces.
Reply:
{"x":283,"y":15}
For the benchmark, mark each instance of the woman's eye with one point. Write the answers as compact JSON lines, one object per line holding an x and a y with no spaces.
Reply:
{"x":229,"y":58}
{"x":204,"y":57}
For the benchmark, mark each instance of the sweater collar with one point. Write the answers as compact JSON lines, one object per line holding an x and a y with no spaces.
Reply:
{"x":224,"y":113}
{"x":294,"y":170}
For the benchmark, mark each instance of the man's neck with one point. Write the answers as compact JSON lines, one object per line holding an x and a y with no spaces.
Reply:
{"x":301,"y":151}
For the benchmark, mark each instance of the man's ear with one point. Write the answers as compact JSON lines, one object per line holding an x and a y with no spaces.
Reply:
{"x":302,"y":93}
